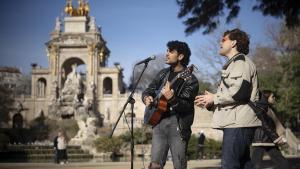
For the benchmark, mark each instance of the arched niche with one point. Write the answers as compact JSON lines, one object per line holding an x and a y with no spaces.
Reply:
{"x":107,"y":85}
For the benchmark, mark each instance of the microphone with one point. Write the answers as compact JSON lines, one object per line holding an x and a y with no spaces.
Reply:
{"x":146,"y":60}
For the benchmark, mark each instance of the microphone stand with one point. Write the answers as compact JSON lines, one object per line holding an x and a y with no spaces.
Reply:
{"x":131,"y":101}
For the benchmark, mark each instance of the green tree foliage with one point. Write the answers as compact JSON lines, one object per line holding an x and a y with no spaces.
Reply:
{"x":289,"y":89}
{"x":206,"y":13}
{"x":268,"y":67}
{"x":278,"y":70}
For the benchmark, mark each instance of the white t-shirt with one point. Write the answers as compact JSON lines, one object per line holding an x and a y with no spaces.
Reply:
{"x":61,"y":143}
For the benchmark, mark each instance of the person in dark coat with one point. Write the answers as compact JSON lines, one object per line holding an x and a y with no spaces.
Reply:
{"x":263,"y":143}
{"x":173,"y":130}
{"x":55,"y":149}
{"x":200,"y":148}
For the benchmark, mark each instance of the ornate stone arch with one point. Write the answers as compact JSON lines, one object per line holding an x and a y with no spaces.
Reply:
{"x":66,"y":67}
{"x":41,"y":87}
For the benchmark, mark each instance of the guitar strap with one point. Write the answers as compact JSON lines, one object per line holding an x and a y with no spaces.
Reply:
{"x":226,"y":66}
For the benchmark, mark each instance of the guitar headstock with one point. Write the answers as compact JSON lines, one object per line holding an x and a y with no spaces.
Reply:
{"x":187,"y":73}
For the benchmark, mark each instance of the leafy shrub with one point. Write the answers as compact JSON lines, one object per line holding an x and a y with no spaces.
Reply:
{"x":105,"y":144}
{"x":212,"y":148}
{"x":192,"y":147}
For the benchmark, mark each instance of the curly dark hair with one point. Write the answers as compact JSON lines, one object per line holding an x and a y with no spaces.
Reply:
{"x":181,"y":48}
{"x":242,"y":39}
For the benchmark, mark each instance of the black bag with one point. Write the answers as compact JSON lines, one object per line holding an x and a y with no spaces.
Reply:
{"x":260,"y":108}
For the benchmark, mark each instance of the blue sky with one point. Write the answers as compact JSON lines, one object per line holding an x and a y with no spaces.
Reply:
{"x":133,"y":29}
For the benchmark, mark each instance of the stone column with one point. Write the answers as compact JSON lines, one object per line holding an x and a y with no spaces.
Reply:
{"x":91,"y":69}
{"x":53,"y":58}
{"x":115,"y":86}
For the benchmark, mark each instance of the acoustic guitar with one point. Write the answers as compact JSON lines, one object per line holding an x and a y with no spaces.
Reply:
{"x":155,"y":110}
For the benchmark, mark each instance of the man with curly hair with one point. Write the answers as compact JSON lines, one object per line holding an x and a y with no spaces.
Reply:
{"x":174,"y":127}
{"x":232,"y":114}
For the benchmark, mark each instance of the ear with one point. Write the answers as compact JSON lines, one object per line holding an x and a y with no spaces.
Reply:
{"x":233,"y":43}
{"x":180,"y":57}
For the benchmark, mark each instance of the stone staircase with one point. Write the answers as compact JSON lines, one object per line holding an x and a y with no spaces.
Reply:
{"x":41,"y":153}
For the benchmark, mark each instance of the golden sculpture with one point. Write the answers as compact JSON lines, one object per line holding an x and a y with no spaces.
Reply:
{"x":82,"y":10}
{"x":101,"y":55}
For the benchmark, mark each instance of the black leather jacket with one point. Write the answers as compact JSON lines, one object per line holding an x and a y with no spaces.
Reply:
{"x":182,"y":103}
{"x":267,"y":132}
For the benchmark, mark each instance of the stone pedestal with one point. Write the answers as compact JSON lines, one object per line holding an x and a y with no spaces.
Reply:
{"x":75,"y":24}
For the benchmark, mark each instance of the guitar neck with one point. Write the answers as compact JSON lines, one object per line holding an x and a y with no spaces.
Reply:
{"x":186,"y":74}
{"x":171,"y":83}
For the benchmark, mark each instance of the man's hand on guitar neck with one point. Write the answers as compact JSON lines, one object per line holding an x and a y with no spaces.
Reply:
{"x":167,"y":91}
{"x":148,"y":100}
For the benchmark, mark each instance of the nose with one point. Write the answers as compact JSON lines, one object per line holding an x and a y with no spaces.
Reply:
{"x":221,"y":41}
{"x":167,"y":54}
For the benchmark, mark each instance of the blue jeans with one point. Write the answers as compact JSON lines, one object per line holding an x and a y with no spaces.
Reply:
{"x":236,"y":148}
{"x":165,"y":137}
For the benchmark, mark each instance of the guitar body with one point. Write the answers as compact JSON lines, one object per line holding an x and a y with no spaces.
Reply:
{"x":154,"y":112}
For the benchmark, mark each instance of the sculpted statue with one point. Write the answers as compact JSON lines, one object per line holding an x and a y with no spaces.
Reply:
{"x":73,"y":85}
{"x":92,"y":24}
{"x":57,"y":25}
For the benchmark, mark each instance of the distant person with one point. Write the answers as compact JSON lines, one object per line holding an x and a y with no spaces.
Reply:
{"x":55,"y":150}
{"x":62,"y":148}
{"x":263,"y":143}
{"x":200,"y":147}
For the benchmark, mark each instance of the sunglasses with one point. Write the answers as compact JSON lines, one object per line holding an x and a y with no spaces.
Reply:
{"x":224,"y":39}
